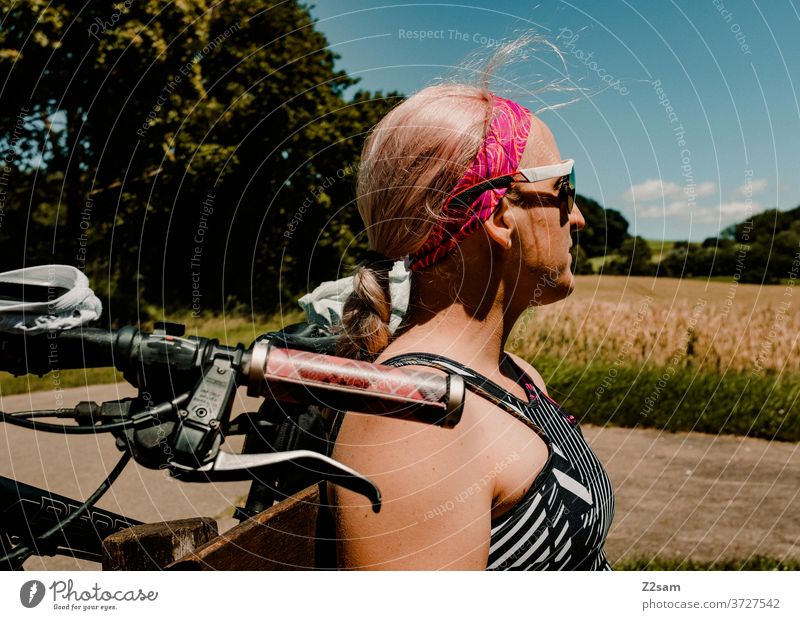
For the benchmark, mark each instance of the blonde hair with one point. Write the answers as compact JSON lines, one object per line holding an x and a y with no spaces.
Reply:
{"x":410,"y":163}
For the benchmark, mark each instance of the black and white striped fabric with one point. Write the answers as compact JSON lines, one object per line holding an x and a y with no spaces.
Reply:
{"x":562,"y":522}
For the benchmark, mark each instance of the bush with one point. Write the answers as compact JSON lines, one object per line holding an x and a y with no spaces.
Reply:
{"x":635,"y":259}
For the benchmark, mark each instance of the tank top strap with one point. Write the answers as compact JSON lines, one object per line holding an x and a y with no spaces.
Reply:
{"x":475,"y":382}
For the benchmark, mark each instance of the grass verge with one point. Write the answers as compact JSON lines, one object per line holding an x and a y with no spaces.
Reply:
{"x":677,"y":399}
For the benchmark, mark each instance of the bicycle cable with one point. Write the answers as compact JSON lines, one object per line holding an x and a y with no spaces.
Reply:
{"x":42,"y":413}
{"x":24,"y":420}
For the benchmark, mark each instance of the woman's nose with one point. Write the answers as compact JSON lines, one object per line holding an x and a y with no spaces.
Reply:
{"x":576,"y":221}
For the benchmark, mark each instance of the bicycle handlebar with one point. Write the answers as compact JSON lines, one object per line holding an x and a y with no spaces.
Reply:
{"x":267,"y":370}
{"x":194,"y":380}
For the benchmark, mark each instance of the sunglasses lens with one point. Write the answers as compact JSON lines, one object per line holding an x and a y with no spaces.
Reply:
{"x":568,"y":189}
{"x":571,"y":191}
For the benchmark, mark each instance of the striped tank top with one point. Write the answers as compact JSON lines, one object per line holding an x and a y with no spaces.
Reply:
{"x":562,"y":521}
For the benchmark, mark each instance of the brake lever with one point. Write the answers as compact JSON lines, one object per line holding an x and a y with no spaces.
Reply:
{"x":227,"y":467}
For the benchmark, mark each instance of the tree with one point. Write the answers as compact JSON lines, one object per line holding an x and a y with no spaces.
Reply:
{"x":675,"y":263}
{"x":580,"y":262}
{"x":605,"y":229}
{"x":635,"y":259}
{"x":186,"y":152}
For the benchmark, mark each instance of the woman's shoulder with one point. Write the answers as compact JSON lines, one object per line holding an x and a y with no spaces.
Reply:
{"x":379,"y":443}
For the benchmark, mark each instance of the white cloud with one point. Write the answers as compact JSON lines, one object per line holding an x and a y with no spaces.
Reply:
{"x":652,"y":189}
{"x":676,"y":208}
{"x":735,"y":211}
{"x":656,"y":189}
{"x":754,"y":187}
{"x":722,"y":213}
{"x":708,"y":188}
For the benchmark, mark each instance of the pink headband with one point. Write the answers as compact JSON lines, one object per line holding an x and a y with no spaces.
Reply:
{"x":499,"y":155}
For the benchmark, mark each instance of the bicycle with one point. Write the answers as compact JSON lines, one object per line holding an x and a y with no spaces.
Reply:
{"x":182,"y":415}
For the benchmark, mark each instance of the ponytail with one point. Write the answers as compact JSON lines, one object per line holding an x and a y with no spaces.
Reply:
{"x":366,"y":313}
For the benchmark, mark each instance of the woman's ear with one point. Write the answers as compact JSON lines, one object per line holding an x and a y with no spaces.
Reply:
{"x":500,"y":226}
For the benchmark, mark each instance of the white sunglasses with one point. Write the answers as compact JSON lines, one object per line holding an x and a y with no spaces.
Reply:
{"x":564,"y":169}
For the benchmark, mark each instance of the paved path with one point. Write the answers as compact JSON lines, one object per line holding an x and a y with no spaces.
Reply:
{"x":678,"y":495}
{"x":691,"y":495}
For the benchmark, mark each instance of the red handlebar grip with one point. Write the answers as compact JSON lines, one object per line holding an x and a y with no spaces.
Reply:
{"x":352,"y":385}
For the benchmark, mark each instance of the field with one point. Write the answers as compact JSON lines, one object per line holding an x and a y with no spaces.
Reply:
{"x":677,"y":355}
{"x":631,"y":321}
{"x":708,"y":326}
{"x":681,"y":356}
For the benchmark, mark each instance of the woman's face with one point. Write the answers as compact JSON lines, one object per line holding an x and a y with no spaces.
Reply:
{"x":543,"y":225}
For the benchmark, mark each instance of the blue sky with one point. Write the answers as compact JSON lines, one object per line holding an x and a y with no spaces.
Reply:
{"x":729,"y":147}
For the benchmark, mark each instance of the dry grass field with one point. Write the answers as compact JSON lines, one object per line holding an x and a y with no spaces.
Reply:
{"x":709,"y":325}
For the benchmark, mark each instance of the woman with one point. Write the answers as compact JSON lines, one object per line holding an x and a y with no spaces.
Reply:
{"x":514,"y":485}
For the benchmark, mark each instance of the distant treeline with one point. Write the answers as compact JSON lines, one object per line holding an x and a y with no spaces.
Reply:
{"x":763,"y":249}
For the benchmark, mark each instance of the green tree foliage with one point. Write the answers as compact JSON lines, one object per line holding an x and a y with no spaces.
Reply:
{"x":580,"y":261}
{"x":605,"y":229}
{"x":763,"y":249}
{"x":191,"y":152}
{"x":635,"y":258}
{"x":682,"y":261}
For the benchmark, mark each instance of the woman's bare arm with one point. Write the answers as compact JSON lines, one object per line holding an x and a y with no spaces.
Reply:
{"x":437,"y":500}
